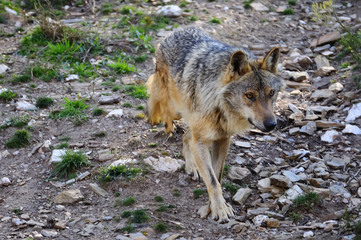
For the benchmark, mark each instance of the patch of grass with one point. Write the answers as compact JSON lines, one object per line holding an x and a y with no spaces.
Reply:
{"x":127,"y":105}
{"x":230,"y":188}
{"x":288,"y":11}
{"x":176,"y":192}
{"x":65,"y":139}
{"x":111,"y":173}
{"x":161,"y":227}
{"x":17,"y":211}
{"x":32,"y":85}
{"x":152,"y":145}
{"x":192,"y":18}
{"x":139,"y":107}
{"x":122,"y":67}
{"x":345,"y":65}
{"x":126,"y":214}
{"x":70,"y":162}
{"x":45,"y":74}
{"x":62,"y":145}
{"x":98,"y":112}
{"x":215,"y":20}
{"x":139,"y":216}
{"x":44,"y":102}
{"x":162,"y":208}
{"x":84,"y":70}
{"x":7,"y":95}
{"x":357,"y":80}
{"x":292,"y":2}
{"x":158,"y":199}
{"x":115,"y":88}
{"x":141,"y":58}
{"x":137,"y":91}
{"x":100,"y":134}
{"x":198,"y":192}
{"x":126,"y":9}
{"x":296,"y":217}
{"x":351,"y":43}
{"x":247,"y":4}
{"x":19,"y":121}
{"x":107,"y":8}
{"x":20,"y":139}
{"x":62,"y":51}
{"x":140,"y":116}
{"x":307,"y":201}
{"x":72,"y":110}
{"x":128,"y":201}
{"x":128,"y":229}
{"x":17,"y":79}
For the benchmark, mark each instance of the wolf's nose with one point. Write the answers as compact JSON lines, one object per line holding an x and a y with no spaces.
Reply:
{"x":269,"y":124}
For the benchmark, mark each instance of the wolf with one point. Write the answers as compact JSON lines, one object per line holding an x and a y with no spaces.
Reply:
{"x":218,"y":90}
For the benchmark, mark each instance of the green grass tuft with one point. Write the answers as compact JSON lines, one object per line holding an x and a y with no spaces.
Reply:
{"x":127,"y":229}
{"x":7,"y":95}
{"x":127,"y":9}
{"x":141,"y":58}
{"x":198,"y":192}
{"x":111,"y":173}
{"x":215,"y":20}
{"x":98,"y":112}
{"x":62,"y":145}
{"x":20,"y":139}
{"x":158,"y":198}
{"x":137,"y":91}
{"x":292,"y":2}
{"x":70,"y":162}
{"x":128,"y":201}
{"x":288,"y":11}
{"x":127,"y":105}
{"x":140,"y":216}
{"x":126,"y":214}
{"x":44,"y":102}
{"x":230,"y":188}
{"x":122,"y":67}
{"x":176,"y":192}
{"x":72,"y":110}
{"x":161,"y":227}
{"x":307,"y":201}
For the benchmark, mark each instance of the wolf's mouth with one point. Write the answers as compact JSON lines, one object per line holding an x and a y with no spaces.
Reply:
{"x":263,"y":129}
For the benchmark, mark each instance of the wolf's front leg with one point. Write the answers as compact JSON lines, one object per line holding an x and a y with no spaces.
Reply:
{"x":219,"y":209}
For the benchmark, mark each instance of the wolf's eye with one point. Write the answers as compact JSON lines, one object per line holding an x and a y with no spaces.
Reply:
{"x":272,"y":92}
{"x":250,"y":96}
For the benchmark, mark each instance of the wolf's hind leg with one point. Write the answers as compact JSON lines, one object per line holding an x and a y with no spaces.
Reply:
{"x":191,"y":167}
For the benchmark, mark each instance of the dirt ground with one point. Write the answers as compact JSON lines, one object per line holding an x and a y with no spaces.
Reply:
{"x":132,"y":137}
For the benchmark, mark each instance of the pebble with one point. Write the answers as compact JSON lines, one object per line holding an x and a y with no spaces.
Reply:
{"x":310,"y":128}
{"x":354,"y":113}
{"x":68,"y":197}
{"x":321,"y":94}
{"x":117,"y":113}
{"x":329,"y":136}
{"x":308,"y":234}
{"x":259,"y":7}
{"x":321,"y":61}
{"x":165,"y":164}
{"x":241,"y":196}
{"x":49,"y":233}
{"x":280,"y":181}
{"x":242,"y":144}
{"x":22,"y":105}
{"x":352,"y":129}
{"x":273,"y":223}
{"x":5,"y":181}
{"x":3,"y":69}
{"x":100,"y":191}
{"x":237,"y":174}
{"x":56,"y":155}
{"x":170,"y":11}
{"x":104,"y":100}
{"x":72,"y":77}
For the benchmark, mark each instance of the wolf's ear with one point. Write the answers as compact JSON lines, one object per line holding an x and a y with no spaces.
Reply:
{"x":270,"y":62}
{"x":237,"y":66}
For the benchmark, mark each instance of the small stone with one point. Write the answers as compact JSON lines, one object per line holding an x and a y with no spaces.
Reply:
{"x":128,"y":80}
{"x":310,"y":116}
{"x":10,"y":11}
{"x":49,"y":233}
{"x":304,"y":61}
{"x":337,"y":163}
{"x":264,"y":184}
{"x":5,"y":181}
{"x":257,"y":47}
{"x":17,"y":222}
{"x":321,"y":94}
{"x":24,"y":216}
{"x":352,"y":129}
{"x":281,"y":9}
{"x":280,"y":181}
{"x":115,"y":113}
{"x":338,"y":188}
{"x":100,"y":191}
{"x":308,"y":234}
{"x":105,"y":155}
{"x":322,"y":48}
{"x":259,"y":7}
{"x":22,"y":105}
{"x":321,"y":61}
{"x":273,"y":223}
{"x":241,"y":196}
{"x":164,"y":164}
{"x":323,"y":108}
{"x":359,"y":191}
{"x":103,"y":100}
{"x":259,"y":219}
{"x":329,"y":37}
{"x":59,"y":208}
{"x":56,"y":155}
{"x":354,"y":113}
{"x":299,"y":76}
{"x":72,"y":77}
{"x":34,"y":223}
{"x":329,"y":136}
{"x":291,"y":176}
{"x":310,"y":128}
{"x":69,"y":196}
{"x":238,"y":173}
{"x":294,"y":130}
{"x":325,"y":71}
{"x":170,"y":11}
{"x":291,"y":194}
{"x":242,"y":144}
{"x":60,"y":225}
{"x":270,"y":139}
{"x":137,"y":236}
{"x":3,"y":69}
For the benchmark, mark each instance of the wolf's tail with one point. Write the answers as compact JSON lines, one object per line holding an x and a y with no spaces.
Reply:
{"x":159,"y":103}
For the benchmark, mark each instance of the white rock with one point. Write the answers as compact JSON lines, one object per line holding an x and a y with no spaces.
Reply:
{"x":69,"y":196}
{"x":354,"y":113}
{"x":310,"y":128}
{"x":3,"y":68}
{"x":59,"y":208}
{"x":291,"y":176}
{"x":242,"y":144}
{"x":56,"y":155}
{"x":10,"y":11}
{"x":164,"y":164}
{"x":320,"y":94}
{"x":72,"y":77}
{"x":95,"y":187}
{"x":5,"y":181}
{"x":291,"y":194}
{"x":123,"y":162}
{"x":352,"y":129}
{"x":259,"y":7}
{"x":329,"y":136}
{"x":308,"y":234}
{"x":321,"y":61}
{"x":336,"y":87}
{"x":49,"y":233}
{"x":170,"y":11}
{"x":242,"y":194}
{"x":25,"y":106}
{"x":259,"y":219}
{"x":117,"y":113}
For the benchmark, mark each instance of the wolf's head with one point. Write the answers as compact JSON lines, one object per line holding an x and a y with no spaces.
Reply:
{"x":251,"y":88}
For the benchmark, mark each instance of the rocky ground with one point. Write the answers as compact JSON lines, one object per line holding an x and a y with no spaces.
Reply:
{"x":299,"y":181}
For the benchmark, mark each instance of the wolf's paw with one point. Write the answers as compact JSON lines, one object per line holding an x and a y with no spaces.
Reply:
{"x":191,"y":170}
{"x":221,"y":212}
